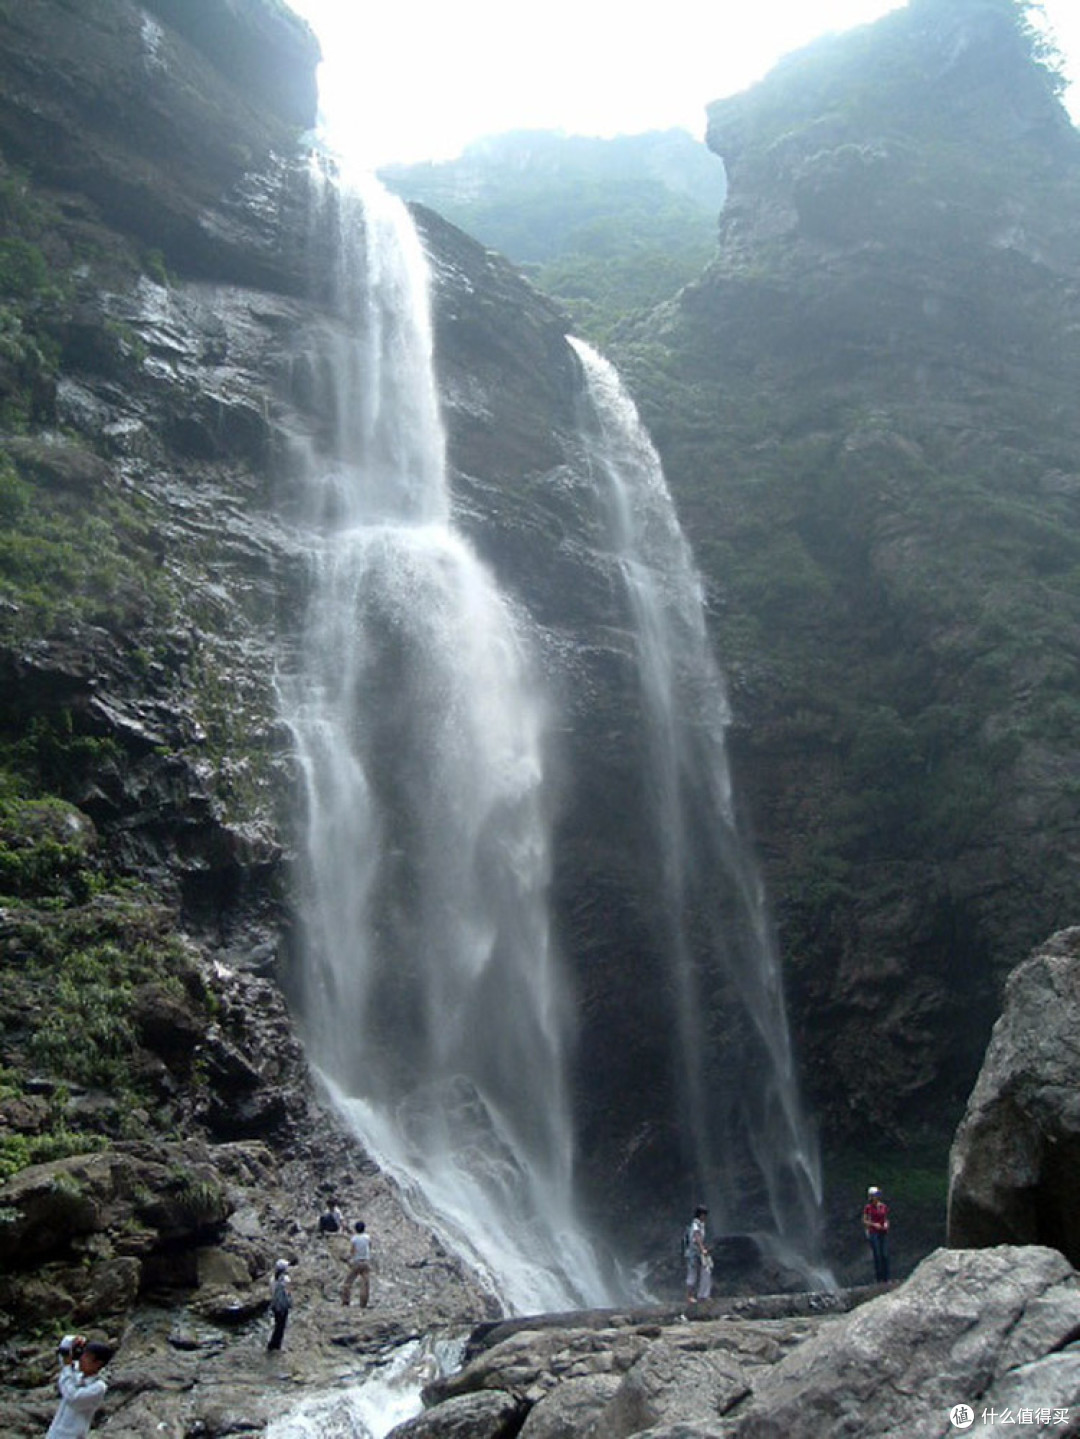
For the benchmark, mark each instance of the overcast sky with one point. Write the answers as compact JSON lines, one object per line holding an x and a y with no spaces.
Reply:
{"x":418,"y":79}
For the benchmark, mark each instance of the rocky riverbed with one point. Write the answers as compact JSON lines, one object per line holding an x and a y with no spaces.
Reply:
{"x":997,"y":1330}
{"x":167,"y":1245}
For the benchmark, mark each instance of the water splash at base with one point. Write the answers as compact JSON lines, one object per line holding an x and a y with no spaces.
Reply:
{"x":369,"y":1410}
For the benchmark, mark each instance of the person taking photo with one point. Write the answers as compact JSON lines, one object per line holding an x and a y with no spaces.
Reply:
{"x":81,"y":1384}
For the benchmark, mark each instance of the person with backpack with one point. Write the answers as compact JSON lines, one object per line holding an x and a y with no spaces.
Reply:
{"x":697,"y":1257}
{"x":280,"y":1304}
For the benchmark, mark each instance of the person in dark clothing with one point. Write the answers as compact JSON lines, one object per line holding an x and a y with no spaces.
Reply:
{"x":875,"y":1220}
{"x":280,"y":1303}
{"x":331,"y":1220}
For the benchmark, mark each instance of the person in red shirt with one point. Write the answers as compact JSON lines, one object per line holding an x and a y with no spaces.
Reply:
{"x":875,"y":1220}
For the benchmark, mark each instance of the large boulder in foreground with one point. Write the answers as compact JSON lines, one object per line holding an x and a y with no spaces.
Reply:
{"x":993,"y":1328}
{"x":996,"y":1329}
{"x":1016,"y":1155}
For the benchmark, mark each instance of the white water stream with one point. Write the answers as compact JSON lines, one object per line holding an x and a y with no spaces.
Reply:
{"x":372,"y":1408}
{"x":434,"y":1002}
{"x":719,"y":949}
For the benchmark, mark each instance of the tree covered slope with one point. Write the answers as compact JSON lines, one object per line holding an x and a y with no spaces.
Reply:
{"x":603,"y":226}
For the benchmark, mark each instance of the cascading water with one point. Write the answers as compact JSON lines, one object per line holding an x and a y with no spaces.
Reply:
{"x":735,"y":1084}
{"x":387,"y":1398}
{"x":433,"y":1001}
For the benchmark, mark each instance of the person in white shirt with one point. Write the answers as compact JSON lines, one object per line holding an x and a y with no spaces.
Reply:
{"x":698,"y":1258}
{"x":359,"y":1262}
{"x":82,"y":1389}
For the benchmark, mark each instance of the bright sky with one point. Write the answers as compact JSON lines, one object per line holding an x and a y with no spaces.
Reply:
{"x":418,"y":79}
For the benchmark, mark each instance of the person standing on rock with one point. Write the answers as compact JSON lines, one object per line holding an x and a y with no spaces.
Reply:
{"x":359,"y":1261}
{"x":875,"y":1221}
{"x":698,"y":1258}
{"x":331,"y":1221}
{"x":280,"y":1304}
{"x":82,"y":1389}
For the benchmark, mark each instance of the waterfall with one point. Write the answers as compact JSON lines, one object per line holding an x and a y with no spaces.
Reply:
{"x":433,"y":1000}
{"x":734,"y":1083}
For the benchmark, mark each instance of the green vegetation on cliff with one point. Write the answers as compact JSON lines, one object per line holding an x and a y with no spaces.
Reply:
{"x":107,"y":705}
{"x":602,"y":226}
{"x":72,"y":547}
{"x":864,"y":409}
{"x":80,"y":949}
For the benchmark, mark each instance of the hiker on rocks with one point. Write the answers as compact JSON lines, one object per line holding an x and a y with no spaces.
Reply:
{"x":82,"y":1388}
{"x":280,"y":1304}
{"x":359,"y":1262}
{"x":698,"y":1258}
{"x":875,"y":1221}
{"x":331,"y":1221}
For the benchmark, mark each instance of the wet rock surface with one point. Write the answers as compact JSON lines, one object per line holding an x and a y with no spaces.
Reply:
{"x":168,"y":1247}
{"x":127,"y":107}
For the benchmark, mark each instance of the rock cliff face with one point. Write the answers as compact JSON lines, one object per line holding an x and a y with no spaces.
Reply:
{"x":863,"y":408}
{"x":160,"y":285}
{"x":883,"y":478}
{"x":164,"y":116}
{"x":158,"y":275}
{"x":155,"y":1107}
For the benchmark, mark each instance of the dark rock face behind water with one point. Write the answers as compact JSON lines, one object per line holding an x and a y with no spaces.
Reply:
{"x":864,"y":412}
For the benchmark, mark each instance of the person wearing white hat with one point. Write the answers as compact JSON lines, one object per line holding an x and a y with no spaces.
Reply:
{"x":875,"y":1220}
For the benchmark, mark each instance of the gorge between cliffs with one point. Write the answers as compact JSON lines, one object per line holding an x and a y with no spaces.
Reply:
{"x":426,"y":785}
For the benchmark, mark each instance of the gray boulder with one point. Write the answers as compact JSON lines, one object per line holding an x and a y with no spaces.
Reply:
{"x":532,"y":1363}
{"x":971,"y":1327}
{"x":674,"y":1383}
{"x":1016,"y":1155}
{"x":492,"y":1414}
{"x":680,"y":1430}
{"x":998,"y":1329}
{"x":575,"y":1407}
